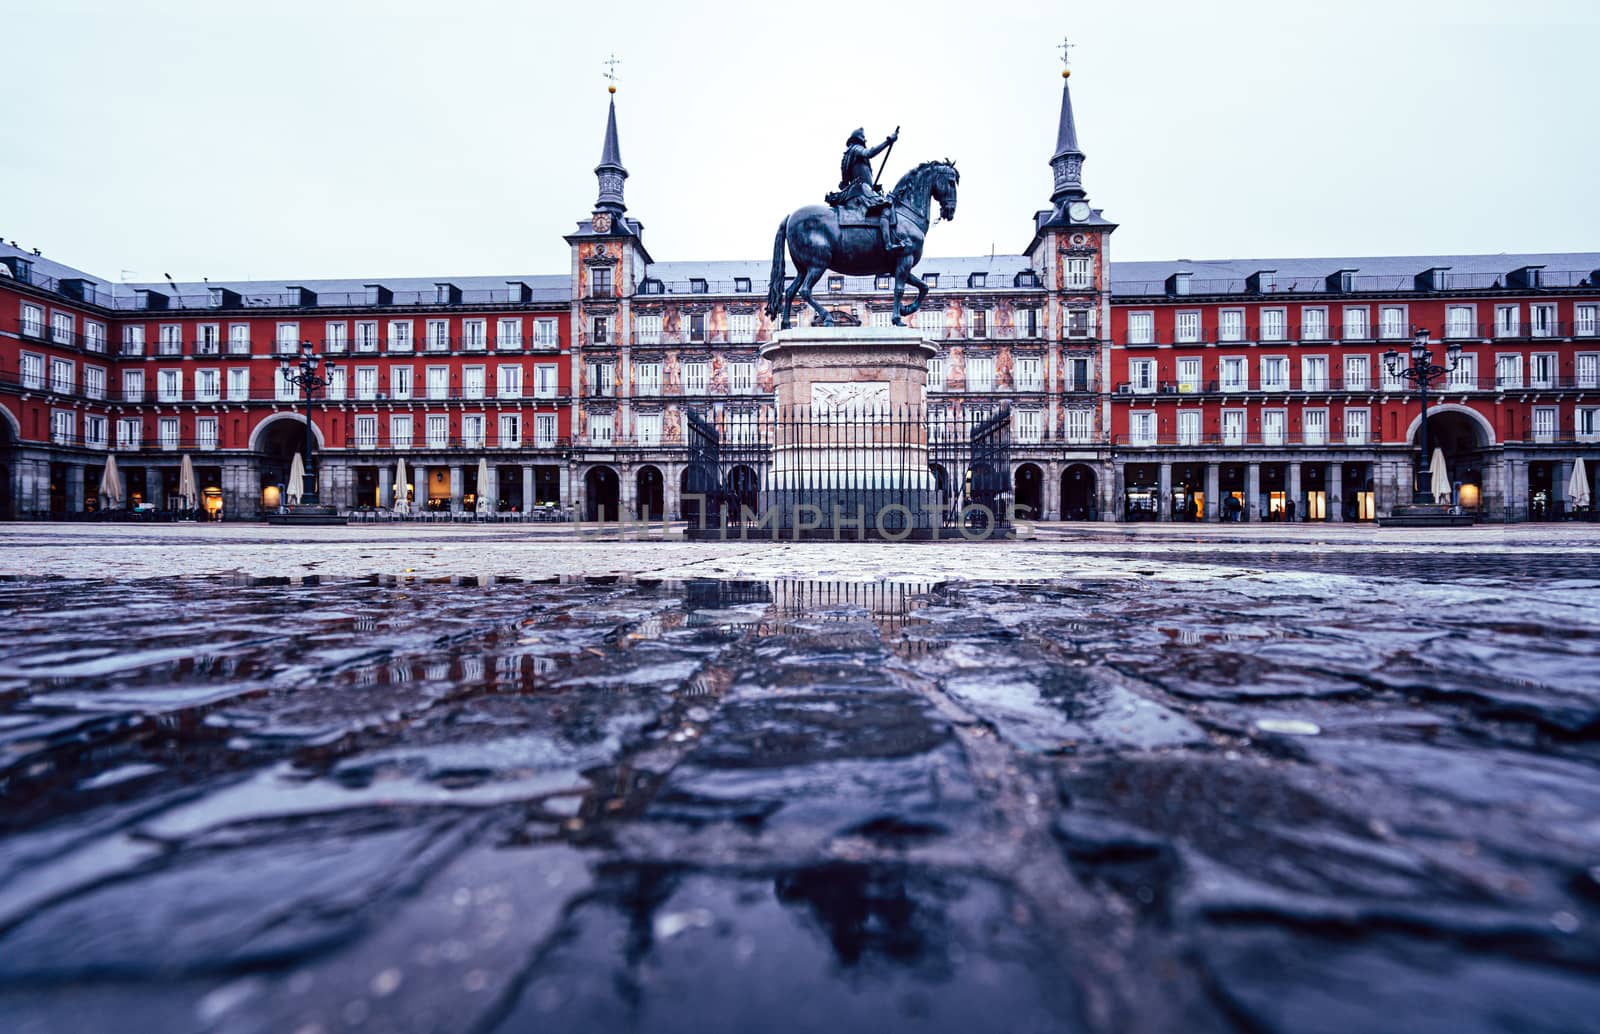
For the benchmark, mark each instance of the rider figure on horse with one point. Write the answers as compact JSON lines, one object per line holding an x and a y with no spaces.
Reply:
{"x":856,"y":188}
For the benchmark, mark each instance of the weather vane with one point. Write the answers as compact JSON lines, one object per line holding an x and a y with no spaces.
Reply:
{"x":1066,"y":58}
{"x":610,"y":73}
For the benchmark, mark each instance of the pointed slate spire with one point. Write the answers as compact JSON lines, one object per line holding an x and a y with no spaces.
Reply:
{"x":610,"y":171}
{"x":1067,"y":162}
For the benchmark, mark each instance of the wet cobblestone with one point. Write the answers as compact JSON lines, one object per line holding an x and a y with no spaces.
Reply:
{"x":1281,"y":788}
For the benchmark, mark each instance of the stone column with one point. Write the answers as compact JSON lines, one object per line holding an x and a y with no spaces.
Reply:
{"x":1293,"y":490}
{"x":1118,"y":510}
{"x":458,"y":480}
{"x":1164,"y":503}
{"x":1252,"y":491}
{"x":1213,"y":492}
{"x":527,"y":489}
{"x":1051,"y":492}
{"x":627,"y":490}
{"x":569,"y":479}
{"x":1335,"y":476}
{"x":386,"y":487}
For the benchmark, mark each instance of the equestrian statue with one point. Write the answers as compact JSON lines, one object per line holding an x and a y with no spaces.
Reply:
{"x":862,"y":231}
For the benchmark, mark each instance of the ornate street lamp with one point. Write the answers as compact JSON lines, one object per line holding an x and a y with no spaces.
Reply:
{"x":310,"y":376}
{"x":1423,"y":372}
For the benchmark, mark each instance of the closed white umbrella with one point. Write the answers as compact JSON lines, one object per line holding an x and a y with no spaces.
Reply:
{"x":111,"y":484}
{"x":297,"y":481}
{"x":1578,"y":487}
{"x":188,"y":489}
{"x":1441,"y":479}
{"x":401,"y":503}
{"x":485,"y":497}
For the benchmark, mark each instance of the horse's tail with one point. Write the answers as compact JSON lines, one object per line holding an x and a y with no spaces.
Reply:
{"x":775,"y":283}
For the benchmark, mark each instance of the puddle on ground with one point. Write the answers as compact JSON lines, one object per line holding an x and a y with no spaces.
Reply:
{"x":482,"y":803}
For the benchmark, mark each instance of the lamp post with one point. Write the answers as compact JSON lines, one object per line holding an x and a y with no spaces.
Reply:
{"x":309,"y":376}
{"x":1422,"y":371}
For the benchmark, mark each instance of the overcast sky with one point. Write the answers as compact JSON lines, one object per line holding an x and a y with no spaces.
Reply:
{"x":291,"y":140}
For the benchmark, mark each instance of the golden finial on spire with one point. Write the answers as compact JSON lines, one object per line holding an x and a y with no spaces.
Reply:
{"x":610,"y":73}
{"x":1066,"y":58}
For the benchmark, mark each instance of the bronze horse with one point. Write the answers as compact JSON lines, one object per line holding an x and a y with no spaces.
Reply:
{"x":817,"y":243}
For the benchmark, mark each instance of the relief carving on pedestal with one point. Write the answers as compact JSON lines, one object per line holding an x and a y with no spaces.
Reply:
{"x":849,"y":398}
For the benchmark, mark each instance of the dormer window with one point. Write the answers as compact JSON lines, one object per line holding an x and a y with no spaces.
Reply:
{"x":931,"y":279}
{"x":377,"y":294}
{"x":698,"y":285}
{"x":300,"y":296}
{"x":214,"y":297}
{"x":1027,"y":278}
{"x":741,"y":284}
{"x":446,"y":294}
{"x":1178,"y":284}
{"x":882,"y":283}
{"x":652,"y":286}
{"x":977,"y":279}
{"x":836,"y":283}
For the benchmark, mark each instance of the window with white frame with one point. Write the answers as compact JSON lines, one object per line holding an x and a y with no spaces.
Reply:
{"x":1142,"y":375}
{"x":1544,"y":423}
{"x":1586,"y":423}
{"x":366,"y":383}
{"x":205,"y":433}
{"x":1029,"y":374}
{"x":980,"y":373}
{"x":742,"y":327}
{"x":1079,"y":274}
{"x":648,"y":426}
{"x":1313,"y":373}
{"x":1357,"y":323}
{"x":1587,"y":370}
{"x":544,"y":429}
{"x":1080,"y":322}
{"x":546,"y":383}
{"x":1507,"y":320}
{"x":1233,"y":427}
{"x":335,"y":391}
{"x":1029,"y":425}
{"x":133,"y":340}
{"x":472,"y":430}
{"x":1141,"y":328}
{"x":1465,"y":376}
{"x":239,"y":384}
{"x":61,"y":376}
{"x":400,"y":431}
{"x":1233,"y":373}
{"x":599,"y":330}
{"x":603,"y":380}
{"x":1355,"y":426}
{"x":930,"y":322}
{"x":366,"y":336}
{"x":1189,"y":375}
{"x":741,"y":427}
{"x":438,"y":430}
{"x":508,"y":381}
{"x":438,"y":339}
{"x":696,"y":376}
{"x":508,"y":332}
{"x":742,"y":378}
{"x":474,"y":335}
{"x":438,"y":382}
{"x":1274,"y":373}
{"x":601,"y":426}
{"x":208,"y":385}
{"x":1314,"y":423}
{"x":130,"y":432}
{"x":61,"y":327}
{"x":288,"y":339}
{"x":400,"y":339}
{"x":880,"y":318}
{"x":169,"y":385}
{"x":1188,"y":427}
{"x":32,"y":371}
{"x":1508,"y":370}
{"x":367,"y":431}
{"x":1542,"y":370}
{"x":238,"y":339}
{"x":472,"y":382}
{"x":1392,"y":322}
{"x":647,"y":378}
{"x":1080,"y":425}
{"x":1391,"y":377}
{"x":936,"y":373}
{"x":1188,"y":327}
{"x":33,"y":321}
{"x":335,"y":336}
{"x":132,"y":385}
{"x":207,"y":339}
{"x":94,"y":337}
{"x":978,"y":323}
{"x":1274,"y":422}
{"x":94,"y":430}
{"x":1356,"y":373}
{"x":400,"y":385}
{"x":546,"y":333}
{"x":1585,"y":319}
{"x":167,"y":432}
{"x":647,"y":329}
{"x":1313,"y":324}
{"x":283,"y":389}
{"x":1460,"y":321}
{"x":171,"y":340}
{"x":1273,"y":325}
{"x":94,"y":382}
{"x":63,"y":426}
{"x":1230,"y":325}
{"x":1142,"y":427}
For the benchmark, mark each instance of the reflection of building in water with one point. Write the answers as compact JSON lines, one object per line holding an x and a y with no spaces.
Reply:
{"x":888,"y":604}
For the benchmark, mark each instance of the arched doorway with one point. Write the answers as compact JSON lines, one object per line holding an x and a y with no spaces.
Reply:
{"x":601,"y":494}
{"x":1029,"y":490}
{"x":743,"y":487}
{"x":8,"y":444}
{"x":1464,"y":437}
{"x":277,"y":441}
{"x":1078,"y":494}
{"x":652,"y":497}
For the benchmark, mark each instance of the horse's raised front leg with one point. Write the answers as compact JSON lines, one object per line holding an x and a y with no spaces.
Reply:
{"x":899,"y":296}
{"x":809,"y":280}
{"x":914,"y":281}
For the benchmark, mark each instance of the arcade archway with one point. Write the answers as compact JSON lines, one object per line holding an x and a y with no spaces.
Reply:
{"x":601,"y":494}
{"x":651,"y":493}
{"x":1028,"y":486}
{"x":1078,"y":493}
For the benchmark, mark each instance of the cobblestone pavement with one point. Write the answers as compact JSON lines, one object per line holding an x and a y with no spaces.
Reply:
{"x":1278,"y":779}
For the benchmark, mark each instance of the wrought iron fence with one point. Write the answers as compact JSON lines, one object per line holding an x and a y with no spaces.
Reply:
{"x":876,"y":472}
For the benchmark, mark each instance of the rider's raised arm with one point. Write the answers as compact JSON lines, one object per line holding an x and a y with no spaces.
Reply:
{"x":874,"y":151}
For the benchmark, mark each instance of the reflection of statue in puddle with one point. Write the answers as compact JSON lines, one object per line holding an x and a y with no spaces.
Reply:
{"x":871,"y":910}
